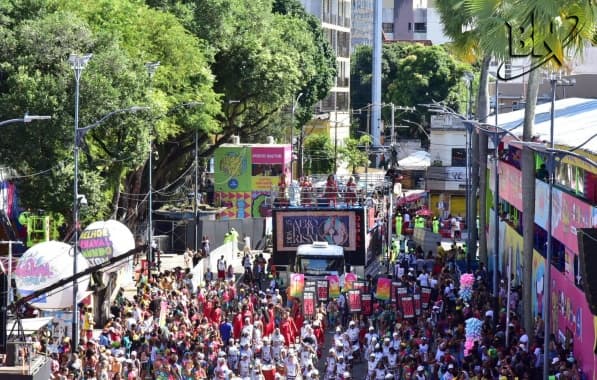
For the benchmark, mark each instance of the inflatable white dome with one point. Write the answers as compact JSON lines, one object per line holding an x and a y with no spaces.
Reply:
{"x":45,"y":264}
{"x":102,"y":240}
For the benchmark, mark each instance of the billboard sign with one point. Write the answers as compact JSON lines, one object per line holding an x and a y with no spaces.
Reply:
{"x":293,"y":227}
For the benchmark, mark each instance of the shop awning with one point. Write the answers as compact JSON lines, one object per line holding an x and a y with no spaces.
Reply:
{"x":411,"y":196}
{"x":30,"y":325}
{"x":419,"y":160}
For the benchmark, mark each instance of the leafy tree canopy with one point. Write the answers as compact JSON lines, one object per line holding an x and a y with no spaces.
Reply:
{"x":319,"y":154}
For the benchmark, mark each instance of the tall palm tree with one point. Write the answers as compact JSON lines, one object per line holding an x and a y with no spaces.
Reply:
{"x":552,"y":24}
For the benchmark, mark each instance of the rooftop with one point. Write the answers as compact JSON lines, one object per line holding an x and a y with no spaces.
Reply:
{"x":575,"y":122}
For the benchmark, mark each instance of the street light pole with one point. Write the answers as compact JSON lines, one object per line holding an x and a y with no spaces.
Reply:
{"x":78,"y":63}
{"x":548,"y":255}
{"x":294,"y":105}
{"x":151,"y":69}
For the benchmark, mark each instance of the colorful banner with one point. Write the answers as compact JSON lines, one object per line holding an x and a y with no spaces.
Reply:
{"x":232,"y":169}
{"x":384,"y":287}
{"x":96,"y":245}
{"x":349,"y":279}
{"x":163,"y":313}
{"x":334,"y":283}
{"x":322,"y":290}
{"x":297,"y":284}
{"x":260,"y":207}
{"x":309,"y":304}
{"x":408,"y":307}
{"x":367,"y":304}
{"x":354,"y":301}
{"x":237,"y":204}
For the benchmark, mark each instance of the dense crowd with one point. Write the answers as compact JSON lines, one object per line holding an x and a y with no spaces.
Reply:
{"x":228,"y":329}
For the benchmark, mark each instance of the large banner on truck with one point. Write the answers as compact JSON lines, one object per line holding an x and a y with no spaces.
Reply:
{"x":293,"y":227}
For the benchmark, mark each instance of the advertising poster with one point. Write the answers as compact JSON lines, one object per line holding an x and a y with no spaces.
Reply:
{"x":384,"y":287}
{"x":425,"y":297}
{"x":334,"y":283}
{"x":417,"y":302}
{"x":322,"y":290}
{"x":232,"y":170}
{"x":349,"y":280}
{"x":408,"y":307}
{"x":296,"y":228}
{"x":261,"y":206}
{"x":237,"y":204}
{"x":367,"y":304}
{"x":309,"y":305}
{"x":297,"y":284}
{"x":354,"y":301}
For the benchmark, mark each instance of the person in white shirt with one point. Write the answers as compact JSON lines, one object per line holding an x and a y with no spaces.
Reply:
{"x":423,"y":279}
{"x":293,"y":368}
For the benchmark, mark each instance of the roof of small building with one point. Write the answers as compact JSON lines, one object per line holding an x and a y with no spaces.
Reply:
{"x":575,"y":122}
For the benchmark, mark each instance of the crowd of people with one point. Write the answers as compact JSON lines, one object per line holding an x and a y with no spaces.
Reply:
{"x":228,"y":329}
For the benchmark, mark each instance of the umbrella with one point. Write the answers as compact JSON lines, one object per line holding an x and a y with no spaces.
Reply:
{"x":424,"y":212}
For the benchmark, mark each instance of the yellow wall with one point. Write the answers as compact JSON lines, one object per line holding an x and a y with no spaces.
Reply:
{"x":457,"y":205}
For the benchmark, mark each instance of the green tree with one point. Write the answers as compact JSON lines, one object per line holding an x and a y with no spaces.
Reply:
{"x":354,"y":152}
{"x":412,"y":74}
{"x":319,"y":154}
{"x":122,"y":35}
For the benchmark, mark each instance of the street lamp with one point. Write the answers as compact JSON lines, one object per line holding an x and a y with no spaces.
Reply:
{"x":25,"y":119}
{"x":151,"y":69}
{"x":294,"y":105}
{"x":78,"y":63}
{"x":468,"y":77}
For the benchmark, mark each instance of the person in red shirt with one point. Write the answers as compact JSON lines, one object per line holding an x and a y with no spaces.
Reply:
{"x":269,"y":322}
{"x":319,"y":333}
{"x":237,"y":325}
{"x":216,"y":315}
{"x":287,"y":329}
{"x":246,"y":313}
{"x":351,"y":192}
{"x":331,"y":191}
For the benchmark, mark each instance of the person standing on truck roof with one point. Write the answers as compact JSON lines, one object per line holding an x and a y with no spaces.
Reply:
{"x":351,"y":192}
{"x":331,"y":191}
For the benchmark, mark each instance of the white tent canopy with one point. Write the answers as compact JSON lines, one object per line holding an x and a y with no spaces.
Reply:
{"x":419,"y":160}
{"x":30,"y":325}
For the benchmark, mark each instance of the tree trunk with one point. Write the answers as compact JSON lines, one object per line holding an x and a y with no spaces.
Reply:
{"x":480,"y":166}
{"x":528,"y":199}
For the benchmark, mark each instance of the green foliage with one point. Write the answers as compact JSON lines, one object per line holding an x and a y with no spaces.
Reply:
{"x":319,"y":154}
{"x":354,"y":152}
{"x":412,"y":74}
{"x":36,"y":77}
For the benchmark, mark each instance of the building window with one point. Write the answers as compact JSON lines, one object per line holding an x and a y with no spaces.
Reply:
{"x":420,"y":27}
{"x":388,"y":27}
{"x":410,"y":26}
{"x":458,"y":157}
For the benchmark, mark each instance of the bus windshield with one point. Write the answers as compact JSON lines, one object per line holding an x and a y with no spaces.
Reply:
{"x":320,"y":266}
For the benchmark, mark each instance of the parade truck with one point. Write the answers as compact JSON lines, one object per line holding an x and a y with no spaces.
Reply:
{"x":345,"y":227}
{"x":318,"y":260}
